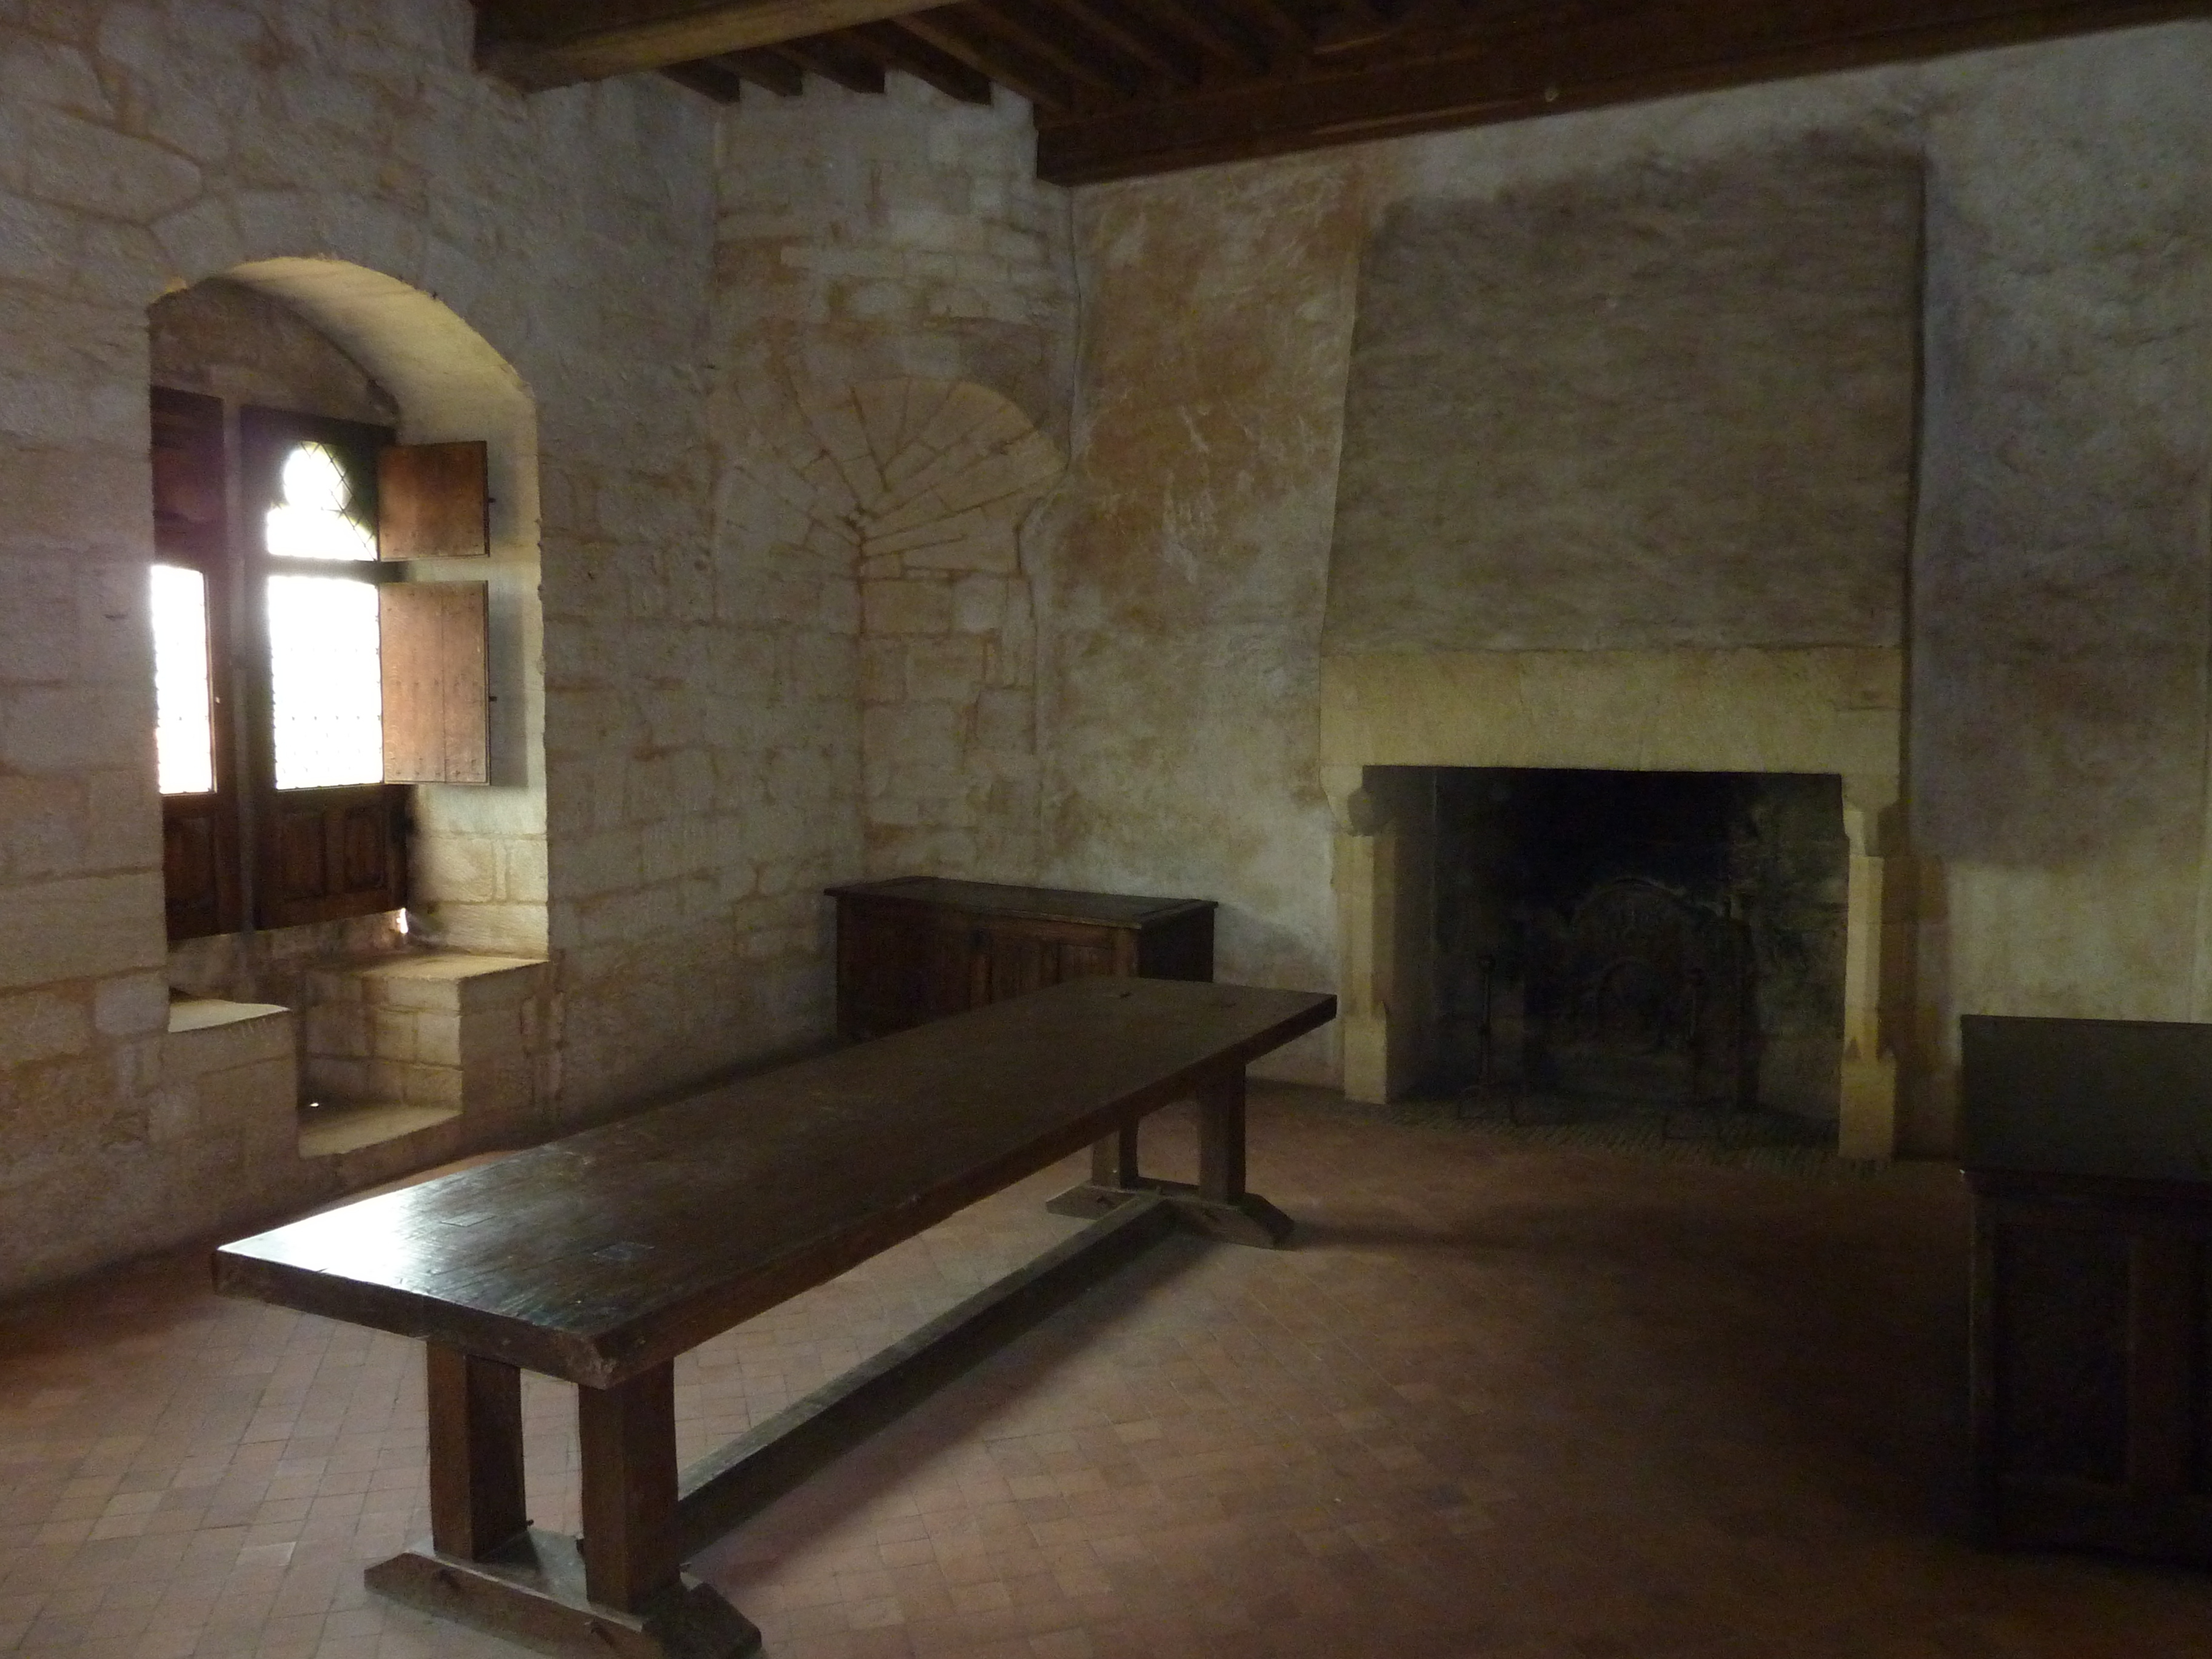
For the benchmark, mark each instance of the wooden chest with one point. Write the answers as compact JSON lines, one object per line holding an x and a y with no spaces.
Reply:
{"x":2086,"y":1146}
{"x":918,"y":948}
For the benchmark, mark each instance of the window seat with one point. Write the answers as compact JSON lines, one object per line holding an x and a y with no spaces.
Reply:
{"x":230,"y":1071}
{"x":400,"y":1043}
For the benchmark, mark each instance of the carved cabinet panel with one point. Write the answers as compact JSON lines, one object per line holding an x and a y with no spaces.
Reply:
{"x":2092,"y":1414}
{"x":918,"y":948}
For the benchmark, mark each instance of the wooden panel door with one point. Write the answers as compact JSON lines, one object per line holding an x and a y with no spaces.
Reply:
{"x":884,"y":954}
{"x":199,"y":865}
{"x":1023,"y":957}
{"x":2061,"y":1326}
{"x":330,"y":853}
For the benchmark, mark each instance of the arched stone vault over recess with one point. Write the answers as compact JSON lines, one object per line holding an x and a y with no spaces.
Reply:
{"x":930,"y":482}
{"x":477,"y":875}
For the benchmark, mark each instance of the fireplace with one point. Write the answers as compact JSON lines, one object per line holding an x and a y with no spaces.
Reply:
{"x":1634,"y":939}
{"x":1800,"y":755}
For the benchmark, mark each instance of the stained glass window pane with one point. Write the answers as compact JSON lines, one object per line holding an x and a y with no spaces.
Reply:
{"x":184,"y":738}
{"x":316,"y":516}
{"x":326,"y":682}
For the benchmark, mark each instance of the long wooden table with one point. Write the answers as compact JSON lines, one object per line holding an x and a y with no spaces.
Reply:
{"x":601,"y":1257}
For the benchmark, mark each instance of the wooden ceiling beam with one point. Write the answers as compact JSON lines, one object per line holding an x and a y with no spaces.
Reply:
{"x":834,"y":60}
{"x":1005,"y":19}
{"x":913,"y":55}
{"x":1144,"y":45}
{"x":764,"y":70}
{"x":1042,"y":87}
{"x":538,"y":44}
{"x":1220,"y":41}
{"x":1545,"y":60}
{"x":708,"y":76}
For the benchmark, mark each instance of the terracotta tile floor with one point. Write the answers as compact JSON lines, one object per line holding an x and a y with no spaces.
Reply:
{"x":1524,"y":1402}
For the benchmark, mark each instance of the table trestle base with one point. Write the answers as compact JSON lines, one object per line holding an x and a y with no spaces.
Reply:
{"x":588,"y":1259}
{"x":728,"y":1486}
{"x":1218,"y":1206}
{"x":533,"y":1588}
{"x":1248,"y":1219}
{"x":532,"y":1592}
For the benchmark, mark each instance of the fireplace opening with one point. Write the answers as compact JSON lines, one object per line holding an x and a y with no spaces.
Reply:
{"x":1623,"y":941}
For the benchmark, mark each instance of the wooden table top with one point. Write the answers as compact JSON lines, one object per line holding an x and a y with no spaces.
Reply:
{"x":596,"y":1256}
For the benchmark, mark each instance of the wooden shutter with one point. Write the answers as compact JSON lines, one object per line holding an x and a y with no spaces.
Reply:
{"x":199,"y":865}
{"x":200,"y":872}
{"x":188,"y":477}
{"x":327,"y":854}
{"x":437,"y":716}
{"x":433,"y":502}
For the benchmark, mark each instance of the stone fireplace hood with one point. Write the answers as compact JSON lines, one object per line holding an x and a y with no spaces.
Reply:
{"x":1626,"y":485}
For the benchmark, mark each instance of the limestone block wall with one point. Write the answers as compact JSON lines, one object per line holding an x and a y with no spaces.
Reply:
{"x":144,"y":147}
{"x":932,"y":480}
{"x":892,"y":354}
{"x":2057,"y":624}
{"x":1183,"y":566}
{"x":2062,"y":611}
{"x":229,"y":1096}
{"x":440,"y":1029}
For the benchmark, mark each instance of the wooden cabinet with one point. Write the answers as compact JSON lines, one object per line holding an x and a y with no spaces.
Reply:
{"x":2085,"y":1142}
{"x":2090,"y":1399}
{"x":918,"y":948}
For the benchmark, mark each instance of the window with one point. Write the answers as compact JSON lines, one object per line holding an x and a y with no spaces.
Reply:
{"x":300,"y":679}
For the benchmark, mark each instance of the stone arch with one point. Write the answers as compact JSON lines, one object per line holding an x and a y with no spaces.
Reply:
{"x":929,"y":481}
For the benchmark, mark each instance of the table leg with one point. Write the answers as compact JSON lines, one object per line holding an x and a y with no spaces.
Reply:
{"x":628,"y":1439}
{"x":1218,"y":1206}
{"x":1114,"y":1160}
{"x":620,"y":1596}
{"x":1113,"y":1177}
{"x":475,"y":1453}
{"x":1221,"y":1138}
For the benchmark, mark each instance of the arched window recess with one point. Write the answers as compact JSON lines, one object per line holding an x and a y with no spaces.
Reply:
{"x":302,"y":679}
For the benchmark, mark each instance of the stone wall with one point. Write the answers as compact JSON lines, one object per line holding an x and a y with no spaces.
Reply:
{"x":659,"y":308}
{"x":2056,"y":726}
{"x":1666,"y":405}
{"x":2061,"y":619}
{"x":1182,"y":572}
{"x":147,"y":147}
{"x":678,"y":739}
{"x":893,"y":349}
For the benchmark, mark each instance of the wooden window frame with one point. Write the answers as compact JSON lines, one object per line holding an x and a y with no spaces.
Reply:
{"x":201,"y":832}
{"x":331,"y":853}
{"x":245,"y":854}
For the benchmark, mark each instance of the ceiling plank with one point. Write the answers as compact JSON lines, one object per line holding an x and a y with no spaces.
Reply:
{"x":1044,"y":88}
{"x":708,"y":75}
{"x":1005,"y":19}
{"x":1223,"y":42}
{"x":910,"y":55}
{"x":764,"y":70}
{"x":1144,"y":44}
{"x":834,"y":60}
{"x":1545,"y":61}
{"x":538,"y":44}
{"x":1275,"y":21}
